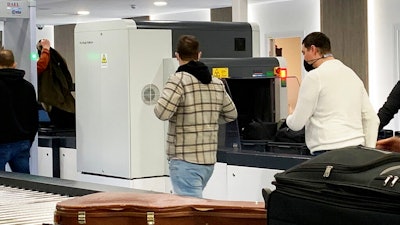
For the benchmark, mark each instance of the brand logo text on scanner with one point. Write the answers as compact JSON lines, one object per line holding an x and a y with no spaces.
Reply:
{"x":85,"y":42}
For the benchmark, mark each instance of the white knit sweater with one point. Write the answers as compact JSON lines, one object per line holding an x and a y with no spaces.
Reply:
{"x":334,"y":107}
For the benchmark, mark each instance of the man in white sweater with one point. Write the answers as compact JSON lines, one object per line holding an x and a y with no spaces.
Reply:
{"x":332,"y":104}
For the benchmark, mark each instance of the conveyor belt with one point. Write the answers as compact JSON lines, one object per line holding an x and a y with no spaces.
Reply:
{"x":29,"y":199}
{"x":20,"y":206}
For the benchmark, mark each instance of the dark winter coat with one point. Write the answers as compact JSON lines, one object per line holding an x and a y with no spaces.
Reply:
{"x":55,"y":84}
{"x":19,"y":118}
{"x":391,"y":106}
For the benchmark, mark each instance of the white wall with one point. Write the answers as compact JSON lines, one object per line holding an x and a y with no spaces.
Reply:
{"x":284,"y":19}
{"x":200,"y":15}
{"x":46,"y":33}
{"x":383,"y":17}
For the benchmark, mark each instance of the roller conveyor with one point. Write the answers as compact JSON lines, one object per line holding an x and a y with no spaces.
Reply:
{"x":21,"y":206}
{"x":31,"y":200}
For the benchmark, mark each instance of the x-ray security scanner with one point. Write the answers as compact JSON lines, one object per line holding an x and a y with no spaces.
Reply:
{"x":118,"y":72}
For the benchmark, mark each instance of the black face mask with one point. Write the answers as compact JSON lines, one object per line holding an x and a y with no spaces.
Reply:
{"x":307,"y":66}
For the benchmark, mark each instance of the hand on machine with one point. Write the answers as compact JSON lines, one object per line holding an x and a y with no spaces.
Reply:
{"x":389,"y":144}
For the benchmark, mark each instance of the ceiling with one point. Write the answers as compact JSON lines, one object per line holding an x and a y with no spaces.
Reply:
{"x":56,"y":12}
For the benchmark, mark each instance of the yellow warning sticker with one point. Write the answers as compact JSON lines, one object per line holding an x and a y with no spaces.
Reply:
{"x":104,"y":60}
{"x":222,"y":72}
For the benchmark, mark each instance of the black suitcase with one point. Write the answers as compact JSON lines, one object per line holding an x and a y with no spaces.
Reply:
{"x":349,"y":186}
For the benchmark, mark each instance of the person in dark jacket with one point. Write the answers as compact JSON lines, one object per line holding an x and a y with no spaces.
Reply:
{"x":391,"y":106}
{"x":19,"y":119}
{"x":55,"y":86}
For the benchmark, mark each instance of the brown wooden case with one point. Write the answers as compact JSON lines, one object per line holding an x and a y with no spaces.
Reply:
{"x":120,"y":208}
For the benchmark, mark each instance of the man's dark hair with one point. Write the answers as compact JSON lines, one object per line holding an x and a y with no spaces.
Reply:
{"x":188,"y":48}
{"x":6,"y":58}
{"x":319,"y":40}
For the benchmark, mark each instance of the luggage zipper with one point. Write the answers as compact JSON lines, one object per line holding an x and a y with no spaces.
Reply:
{"x":395,"y":179}
{"x":390,"y":169}
{"x":388,"y":178}
{"x":327,"y":172}
{"x":329,"y":168}
{"x":343,"y":168}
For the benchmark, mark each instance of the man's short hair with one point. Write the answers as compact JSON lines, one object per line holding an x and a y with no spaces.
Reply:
{"x":6,"y":58}
{"x":188,"y":48}
{"x":319,"y":40}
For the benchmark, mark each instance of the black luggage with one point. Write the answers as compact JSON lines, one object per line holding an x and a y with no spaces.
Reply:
{"x":259,"y":130}
{"x":285,"y":134}
{"x":349,"y":186}
{"x":288,"y":148}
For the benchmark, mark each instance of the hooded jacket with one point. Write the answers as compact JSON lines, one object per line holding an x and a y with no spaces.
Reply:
{"x":19,"y":119}
{"x":195,"y":103}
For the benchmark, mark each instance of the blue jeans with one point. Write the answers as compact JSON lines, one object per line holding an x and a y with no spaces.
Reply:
{"x":16,"y":154}
{"x":189,"y":179}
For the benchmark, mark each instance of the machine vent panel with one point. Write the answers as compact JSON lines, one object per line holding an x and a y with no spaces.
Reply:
{"x":150,"y":94}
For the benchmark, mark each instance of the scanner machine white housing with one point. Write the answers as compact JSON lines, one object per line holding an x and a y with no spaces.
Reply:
{"x":118,"y":77}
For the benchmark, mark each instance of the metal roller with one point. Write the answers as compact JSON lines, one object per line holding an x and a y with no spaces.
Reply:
{"x":23,"y":207}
